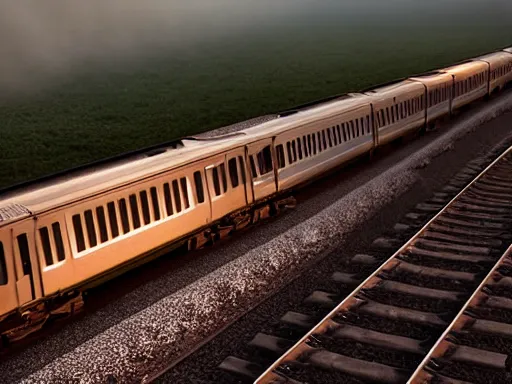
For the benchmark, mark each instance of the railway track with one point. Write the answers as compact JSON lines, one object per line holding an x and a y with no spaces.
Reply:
{"x":386,"y":327}
{"x":476,"y":347}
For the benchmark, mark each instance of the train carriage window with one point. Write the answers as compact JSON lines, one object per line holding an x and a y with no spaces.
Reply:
{"x":135,"y":211}
{"x":329,"y":138}
{"x":319,"y":138}
{"x":224,"y":179}
{"x":253,"y":167}
{"x":344,"y":130}
{"x":184,"y":190}
{"x":352,"y":129}
{"x":313,"y":137}
{"x":216,"y":182}
{"x":199,"y":187}
{"x":340,"y":136}
{"x":324,"y":141}
{"x":368,"y":128}
{"x":24,"y":253}
{"x":144,"y":204}
{"x":91,"y":230}
{"x":154,"y":202}
{"x":289,"y":151}
{"x":356,"y":123}
{"x":176,"y":194}
{"x":281,"y":162}
{"x":233,"y":172}
{"x":112,"y":218}
{"x":265,"y":160}
{"x":294,"y":151}
{"x":45,"y":242}
{"x":79,"y":233}
{"x":305,"y":146}
{"x":3,"y":266}
{"x":299,"y":149}
{"x":59,"y":243}
{"x":242,"y":168}
{"x":123,"y":211}
{"x":334,"y":138}
{"x":100,"y":215}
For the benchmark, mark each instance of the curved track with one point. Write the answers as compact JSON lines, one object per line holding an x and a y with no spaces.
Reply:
{"x":384,"y":329}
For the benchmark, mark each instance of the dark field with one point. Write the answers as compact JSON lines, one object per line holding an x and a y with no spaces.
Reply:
{"x":124,"y":102}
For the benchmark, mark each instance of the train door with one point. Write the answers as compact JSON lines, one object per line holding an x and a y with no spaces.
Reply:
{"x":28,"y":283}
{"x":261,"y":164}
{"x":226,"y":180}
{"x":8,"y":298}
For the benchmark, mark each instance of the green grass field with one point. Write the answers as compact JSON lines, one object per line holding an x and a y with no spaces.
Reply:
{"x":112,"y":109}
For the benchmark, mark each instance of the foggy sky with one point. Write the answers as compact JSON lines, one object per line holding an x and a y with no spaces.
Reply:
{"x":46,"y":40}
{"x":41,"y":40}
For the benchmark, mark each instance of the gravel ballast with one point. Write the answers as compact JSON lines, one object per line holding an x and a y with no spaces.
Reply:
{"x":139,"y":347}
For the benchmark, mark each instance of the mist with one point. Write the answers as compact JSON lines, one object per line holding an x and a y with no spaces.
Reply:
{"x":44,"y":42}
{"x":41,"y":41}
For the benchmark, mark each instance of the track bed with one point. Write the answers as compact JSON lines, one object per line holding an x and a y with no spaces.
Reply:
{"x":387,"y":325}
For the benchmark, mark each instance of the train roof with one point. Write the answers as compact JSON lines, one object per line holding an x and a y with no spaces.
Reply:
{"x":89,"y":181}
{"x":40,"y":197}
{"x":432,"y":78}
{"x":496,"y":58}
{"x":347,"y":103}
{"x":509,"y":50}
{"x":465,"y":67}
{"x":395,"y":88}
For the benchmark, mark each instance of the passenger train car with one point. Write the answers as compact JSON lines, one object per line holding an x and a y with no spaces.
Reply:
{"x":62,"y":235}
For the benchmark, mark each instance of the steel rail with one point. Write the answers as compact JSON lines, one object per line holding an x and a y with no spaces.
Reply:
{"x":269,"y":376}
{"x":416,"y":376}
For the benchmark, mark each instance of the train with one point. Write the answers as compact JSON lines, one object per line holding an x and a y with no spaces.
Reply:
{"x":63,"y":234}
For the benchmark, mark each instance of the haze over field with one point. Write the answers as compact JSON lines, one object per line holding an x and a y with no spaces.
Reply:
{"x":82,"y":80}
{"x":43,"y":40}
